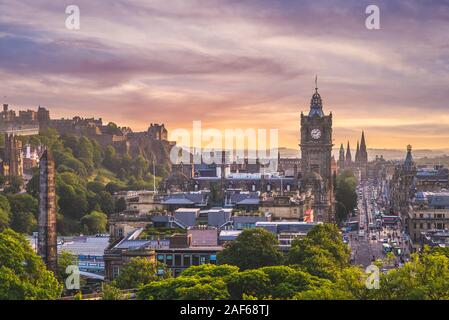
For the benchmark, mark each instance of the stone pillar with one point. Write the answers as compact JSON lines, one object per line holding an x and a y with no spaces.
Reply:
{"x":47,"y":241}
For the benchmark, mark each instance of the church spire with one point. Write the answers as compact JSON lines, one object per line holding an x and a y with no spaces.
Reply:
{"x":362,"y":143}
{"x":341,"y":157}
{"x":348,"y":158}
{"x":357,"y":152}
{"x":316,"y":104}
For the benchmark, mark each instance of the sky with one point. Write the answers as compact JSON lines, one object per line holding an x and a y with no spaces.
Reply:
{"x":235,"y":64}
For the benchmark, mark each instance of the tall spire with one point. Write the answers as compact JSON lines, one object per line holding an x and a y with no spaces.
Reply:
{"x":409,"y":164}
{"x":409,"y":157}
{"x":357,"y":152}
{"x":362,"y":142}
{"x":316,"y":104}
{"x":348,"y":158}
{"x":363,"y":154}
{"x":341,"y":157}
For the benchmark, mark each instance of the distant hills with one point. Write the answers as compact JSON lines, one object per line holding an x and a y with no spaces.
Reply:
{"x":388,"y":154}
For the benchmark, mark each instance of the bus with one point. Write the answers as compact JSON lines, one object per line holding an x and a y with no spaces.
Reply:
{"x":390,"y":219}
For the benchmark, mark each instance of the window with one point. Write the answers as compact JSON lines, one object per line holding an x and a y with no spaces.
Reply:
{"x":203,"y":259}
{"x":213,"y":259}
{"x":186,"y":260}
{"x":169,"y":260}
{"x":429,"y":226}
{"x":160,"y":258}
{"x":177,"y":259}
{"x":195,"y":260}
{"x":115,"y":271}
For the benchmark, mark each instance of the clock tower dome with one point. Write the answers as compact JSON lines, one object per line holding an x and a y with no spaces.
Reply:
{"x":316,"y":154}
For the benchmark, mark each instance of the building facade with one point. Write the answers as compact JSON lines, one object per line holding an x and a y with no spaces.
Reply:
{"x":316,"y":152}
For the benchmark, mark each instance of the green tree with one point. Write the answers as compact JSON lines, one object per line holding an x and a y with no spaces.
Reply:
{"x":95,"y":222}
{"x":23,"y":275}
{"x":321,"y":253}
{"x":5,"y":213}
{"x":120,"y":205}
{"x":424,"y":277}
{"x":140,"y":271}
{"x":345,"y":195}
{"x":249,"y":282}
{"x":109,"y":292}
{"x":24,"y":209}
{"x":4,"y":219}
{"x":106,"y":202}
{"x":95,"y":186}
{"x":252,"y":249}
{"x":15,"y":184}
{"x":65,"y":259}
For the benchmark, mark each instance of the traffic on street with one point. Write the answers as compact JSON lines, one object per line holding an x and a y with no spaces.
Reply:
{"x":371,"y":233}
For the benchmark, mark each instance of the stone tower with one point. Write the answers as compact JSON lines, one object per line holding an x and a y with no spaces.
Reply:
{"x":316,"y":151}
{"x":13,"y":158}
{"x":363,"y":157}
{"x":357,"y":154}
{"x":341,"y":158}
{"x":47,"y":242}
{"x":348,"y":158}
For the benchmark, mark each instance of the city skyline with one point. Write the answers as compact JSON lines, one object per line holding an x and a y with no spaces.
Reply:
{"x":235,"y":65}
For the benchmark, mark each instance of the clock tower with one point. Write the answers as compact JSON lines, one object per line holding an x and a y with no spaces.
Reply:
{"x":316,"y":152}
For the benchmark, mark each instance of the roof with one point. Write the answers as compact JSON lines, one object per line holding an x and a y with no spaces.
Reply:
{"x":187,"y":210}
{"x":80,"y":246}
{"x":185,"y":198}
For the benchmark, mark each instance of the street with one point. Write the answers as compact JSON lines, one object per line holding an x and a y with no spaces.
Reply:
{"x":375,"y":230}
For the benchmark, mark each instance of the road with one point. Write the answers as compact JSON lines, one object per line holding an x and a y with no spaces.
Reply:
{"x":364,"y":247}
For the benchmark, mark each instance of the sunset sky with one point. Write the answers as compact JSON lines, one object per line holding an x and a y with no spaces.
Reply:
{"x":235,"y":64}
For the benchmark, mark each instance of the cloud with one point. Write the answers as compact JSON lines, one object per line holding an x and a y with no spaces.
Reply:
{"x":234,"y":63}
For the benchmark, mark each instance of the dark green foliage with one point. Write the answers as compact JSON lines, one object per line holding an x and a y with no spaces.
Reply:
{"x":253,"y":248}
{"x":345,"y":195}
{"x":140,"y":271}
{"x":23,"y":275}
{"x":94,"y":222}
{"x":321,"y":253}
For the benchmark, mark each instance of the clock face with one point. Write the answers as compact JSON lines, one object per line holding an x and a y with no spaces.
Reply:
{"x":316,"y":133}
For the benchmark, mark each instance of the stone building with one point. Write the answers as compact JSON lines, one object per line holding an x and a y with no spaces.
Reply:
{"x":429,"y":213}
{"x":361,"y":157}
{"x":341,"y":158}
{"x":348,"y":158}
{"x":435,"y":178}
{"x":12,"y":164}
{"x":47,"y":236}
{"x":158,"y":131}
{"x":402,"y":183}
{"x":316,"y":148}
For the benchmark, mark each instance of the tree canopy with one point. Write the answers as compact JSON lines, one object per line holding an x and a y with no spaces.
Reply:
{"x":23,"y":275}
{"x":253,"y":248}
